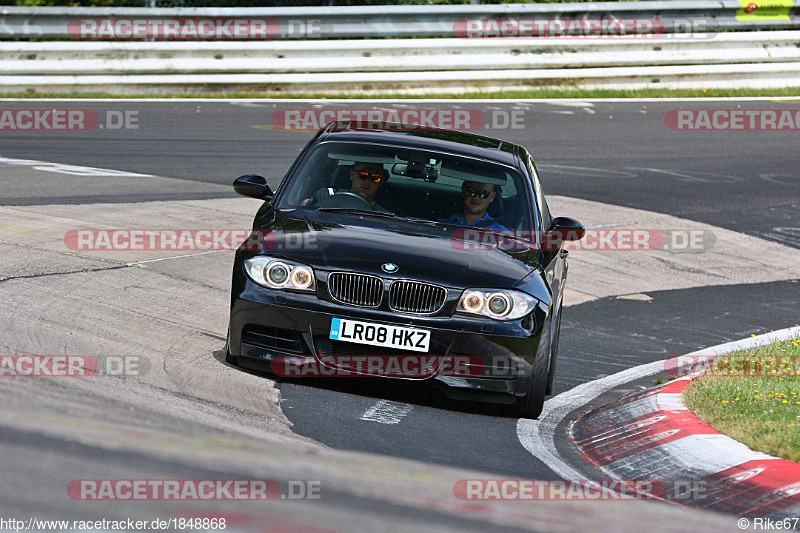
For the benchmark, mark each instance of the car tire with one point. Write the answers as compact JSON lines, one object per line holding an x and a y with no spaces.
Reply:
{"x":551,"y":373}
{"x":230,"y":359}
{"x":531,"y":405}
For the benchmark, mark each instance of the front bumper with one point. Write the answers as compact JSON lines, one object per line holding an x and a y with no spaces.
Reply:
{"x":266,"y":323}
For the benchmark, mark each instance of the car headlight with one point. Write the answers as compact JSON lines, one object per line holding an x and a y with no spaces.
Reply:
{"x":279,"y":273}
{"x":497,"y":304}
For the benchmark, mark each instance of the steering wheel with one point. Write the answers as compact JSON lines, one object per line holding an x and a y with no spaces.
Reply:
{"x":345,"y":199}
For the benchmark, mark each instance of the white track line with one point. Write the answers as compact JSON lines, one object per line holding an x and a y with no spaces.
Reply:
{"x":386,"y":412}
{"x":73,"y":170}
{"x":538,"y":436}
{"x":175,"y":257}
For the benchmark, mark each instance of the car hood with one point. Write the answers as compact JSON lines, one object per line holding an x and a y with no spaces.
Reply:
{"x":346,"y":242}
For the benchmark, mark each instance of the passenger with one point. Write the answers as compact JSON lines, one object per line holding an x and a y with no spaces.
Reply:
{"x":477,"y":197}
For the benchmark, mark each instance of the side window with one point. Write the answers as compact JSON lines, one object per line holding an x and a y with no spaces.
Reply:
{"x":540,"y":199}
{"x":316,"y":173}
{"x":509,"y":190}
{"x":547,"y":219}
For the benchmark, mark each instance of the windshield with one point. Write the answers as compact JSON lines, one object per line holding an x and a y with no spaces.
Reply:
{"x":410,"y":183}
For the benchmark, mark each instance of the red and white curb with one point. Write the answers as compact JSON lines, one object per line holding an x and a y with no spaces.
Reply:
{"x":652,"y":435}
{"x":692,"y":453}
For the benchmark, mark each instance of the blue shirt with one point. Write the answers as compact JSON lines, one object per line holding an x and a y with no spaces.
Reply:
{"x":494,"y":226}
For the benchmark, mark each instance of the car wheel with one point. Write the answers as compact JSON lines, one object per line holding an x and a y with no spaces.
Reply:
{"x":553,"y":354}
{"x":531,"y":405}
{"x":230,"y":359}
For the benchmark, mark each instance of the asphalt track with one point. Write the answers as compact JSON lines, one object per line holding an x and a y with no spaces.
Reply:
{"x":744,"y":181}
{"x":620,"y":154}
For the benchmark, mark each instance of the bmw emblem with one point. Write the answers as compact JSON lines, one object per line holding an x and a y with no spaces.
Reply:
{"x":389,"y":268}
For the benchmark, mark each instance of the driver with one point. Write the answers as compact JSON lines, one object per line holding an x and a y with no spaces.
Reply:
{"x":366,"y":179}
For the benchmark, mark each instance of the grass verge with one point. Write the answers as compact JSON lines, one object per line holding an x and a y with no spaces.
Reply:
{"x":754,"y":397}
{"x":507,"y":94}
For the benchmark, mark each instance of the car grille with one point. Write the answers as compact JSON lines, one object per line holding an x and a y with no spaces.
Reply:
{"x":356,"y":289}
{"x":416,"y":297}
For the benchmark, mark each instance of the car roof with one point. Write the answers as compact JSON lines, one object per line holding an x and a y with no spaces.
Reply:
{"x":454,"y":142}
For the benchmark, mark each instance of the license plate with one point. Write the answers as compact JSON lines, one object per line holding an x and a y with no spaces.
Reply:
{"x":398,"y":337}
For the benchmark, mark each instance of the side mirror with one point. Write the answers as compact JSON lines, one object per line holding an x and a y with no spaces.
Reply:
{"x":253,"y":186}
{"x":568,"y":229}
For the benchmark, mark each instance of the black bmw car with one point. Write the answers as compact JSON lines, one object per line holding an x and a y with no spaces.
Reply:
{"x":395,"y":241}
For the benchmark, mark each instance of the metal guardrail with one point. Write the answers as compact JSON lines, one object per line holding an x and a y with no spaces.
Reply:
{"x":411,"y":21}
{"x":770,"y":75}
{"x":426,"y":56}
{"x":314,"y":49}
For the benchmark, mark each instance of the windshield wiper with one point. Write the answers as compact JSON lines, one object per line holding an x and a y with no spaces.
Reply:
{"x":357,"y":211}
{"x":421,"y":221}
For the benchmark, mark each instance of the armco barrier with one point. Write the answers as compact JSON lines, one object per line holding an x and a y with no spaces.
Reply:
{"x":71,"y":57}
{"x":414,"y":21}
{"x":314,"y":49}
{"x":767,"y":75}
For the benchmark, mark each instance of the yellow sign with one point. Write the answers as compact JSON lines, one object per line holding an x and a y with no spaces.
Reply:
{"x":764,"y":9}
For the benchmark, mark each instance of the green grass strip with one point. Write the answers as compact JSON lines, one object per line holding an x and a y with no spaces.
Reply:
{"x":753,"y":396}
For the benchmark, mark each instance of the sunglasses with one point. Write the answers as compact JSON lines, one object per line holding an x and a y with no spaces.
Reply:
{"x":480,"y":193}
{"x":374,"y":176}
